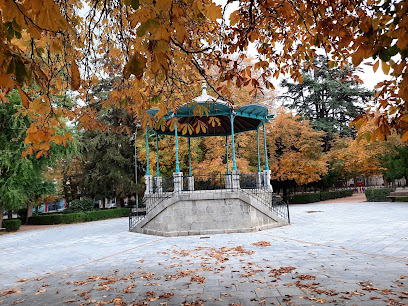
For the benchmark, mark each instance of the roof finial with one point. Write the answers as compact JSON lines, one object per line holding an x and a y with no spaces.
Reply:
{"x":204,"y":88}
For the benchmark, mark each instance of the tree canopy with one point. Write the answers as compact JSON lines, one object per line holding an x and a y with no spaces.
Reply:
{"x":22,"y":180}
{"x":156,"y":51}
{"x":329,"y":98}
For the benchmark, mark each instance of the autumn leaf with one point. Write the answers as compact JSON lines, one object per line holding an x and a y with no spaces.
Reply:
{"x":133,"y":3}
{"x":75,"y":76}
{"x":375,"y":67}
{"x":136,"y":66}
{"x":262,"y":243}
{"x":25,"y":99}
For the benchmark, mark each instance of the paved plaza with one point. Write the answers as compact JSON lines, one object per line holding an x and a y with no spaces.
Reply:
{"x":337,"y":253}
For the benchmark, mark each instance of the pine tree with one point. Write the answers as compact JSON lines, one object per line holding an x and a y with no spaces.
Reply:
{"x":328,"y":98}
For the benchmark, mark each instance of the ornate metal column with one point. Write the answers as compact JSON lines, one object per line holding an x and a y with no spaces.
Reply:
{"x":177,"y":175}
{"x":190,"y":178}
{"x":148,"y":177}
{"x":267,"y":173}
{"x":234,"y":164}
{"x":259,"y":173}
{"x":235,"y":172}
{"x":158,"y":180}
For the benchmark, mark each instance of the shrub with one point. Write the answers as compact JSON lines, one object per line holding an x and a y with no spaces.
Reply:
{"x":318,"y":196}
{"x":12,"y":225}
{"x":304,"y":198}
{"x":106,"y":214}
{"x":84,"y":204}
{"x":378,"y":195}
{"x":94,"y":215}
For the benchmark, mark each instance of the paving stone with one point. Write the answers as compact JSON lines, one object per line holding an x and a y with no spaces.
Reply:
{"x":341,"y":246}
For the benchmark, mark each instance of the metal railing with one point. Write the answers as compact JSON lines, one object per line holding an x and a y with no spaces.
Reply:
{"x":161,"y":192}
{"x":211,"y":181}
{"x":273,"y":202}
{"x":247,"y":181}
{"x":248,"y":184}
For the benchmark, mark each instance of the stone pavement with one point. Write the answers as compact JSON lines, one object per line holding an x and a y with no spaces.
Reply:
{"x":342,"y":254}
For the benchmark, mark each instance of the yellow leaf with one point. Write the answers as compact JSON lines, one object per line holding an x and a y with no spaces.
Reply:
{"x":357,"y":57}
{"x":163,"y":4}
{"x":135,"y":65}
{"x":234,"y":17}
{"x":38,"y":155}
{"x":214,"y":12}
{"x":75,"y":76}
{"x":405,"y":136}
{"x":58,"y":139}
{"x":25,"y":99}
{"x":68,"y":136}
{"x":385,"y":67}
{"x":6,"y":82}
{"x":375,"y":67}
{"x":161,"y":33}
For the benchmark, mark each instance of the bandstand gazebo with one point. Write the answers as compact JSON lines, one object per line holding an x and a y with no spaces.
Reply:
{"x":237,"y":203}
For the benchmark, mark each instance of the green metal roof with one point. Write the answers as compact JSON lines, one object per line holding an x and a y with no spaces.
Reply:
{"x":247,"y":117}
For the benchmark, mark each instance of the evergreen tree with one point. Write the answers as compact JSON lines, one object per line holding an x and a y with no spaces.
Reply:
{"x":21,"y":179}
{"x":396,"y":164}
{"x":108,"y":161}
{"x":329,"y":98}
{"x":108,"y":155}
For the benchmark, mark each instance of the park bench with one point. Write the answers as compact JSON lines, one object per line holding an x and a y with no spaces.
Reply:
{"x":398,"y":194}
{"x":2,"y":229}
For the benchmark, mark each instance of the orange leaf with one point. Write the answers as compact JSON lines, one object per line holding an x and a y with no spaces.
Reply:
{"x":38,"y":155}
{"x":75,"y":76}
{"x":405,"y":136}
{"x":385,"y":67}
{"x":375,"y":67}
{"x":25,"y":99}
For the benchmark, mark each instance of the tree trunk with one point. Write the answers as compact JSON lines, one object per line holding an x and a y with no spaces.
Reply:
{"x":1,"y":214}
{"x":118,"y":202}
{"x":29,"y":212}
{"x":10,"y":214}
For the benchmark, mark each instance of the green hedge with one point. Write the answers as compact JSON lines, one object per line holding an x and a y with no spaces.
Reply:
{"x":82,"y":205}
{"x":378,"y":195}
{"x":106,"y":214}
{"x":12,"y":225}
{"x":46,"y":219}
{"x":318,"y":196}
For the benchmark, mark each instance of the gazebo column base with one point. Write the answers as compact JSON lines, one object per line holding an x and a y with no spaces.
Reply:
{"x":267,"y":180}
{"x":178,"y":181}
{"x":235,"y":180}
{"x":259,"y":180}
{"x":158,"y":181}
{"x":149,"y":184}
{"x":190,"y":181}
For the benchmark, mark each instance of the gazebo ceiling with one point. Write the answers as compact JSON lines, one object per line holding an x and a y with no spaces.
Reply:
{"x":246,"y":117}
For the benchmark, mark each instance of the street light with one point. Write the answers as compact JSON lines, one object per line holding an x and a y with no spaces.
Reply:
{"x":137,"y":195}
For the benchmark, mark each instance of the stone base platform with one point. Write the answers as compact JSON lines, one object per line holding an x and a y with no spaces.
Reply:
{"x":209,"y":212}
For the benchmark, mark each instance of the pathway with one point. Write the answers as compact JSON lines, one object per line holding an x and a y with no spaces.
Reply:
{"x":338,"y":253}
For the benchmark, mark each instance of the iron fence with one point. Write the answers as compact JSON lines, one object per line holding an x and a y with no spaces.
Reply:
{"x":214,"y":181}
{"x":273,"y":202}
{"x":247,"y":181}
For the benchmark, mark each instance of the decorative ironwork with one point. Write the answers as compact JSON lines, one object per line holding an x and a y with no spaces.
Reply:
{"x":247,"y":181}
{"x":210,"y":182}
{"x":185,"y":183}
{"x":273,"y":202}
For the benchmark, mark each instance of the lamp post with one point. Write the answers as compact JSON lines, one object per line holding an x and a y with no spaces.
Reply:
{"x":137,"y":194}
